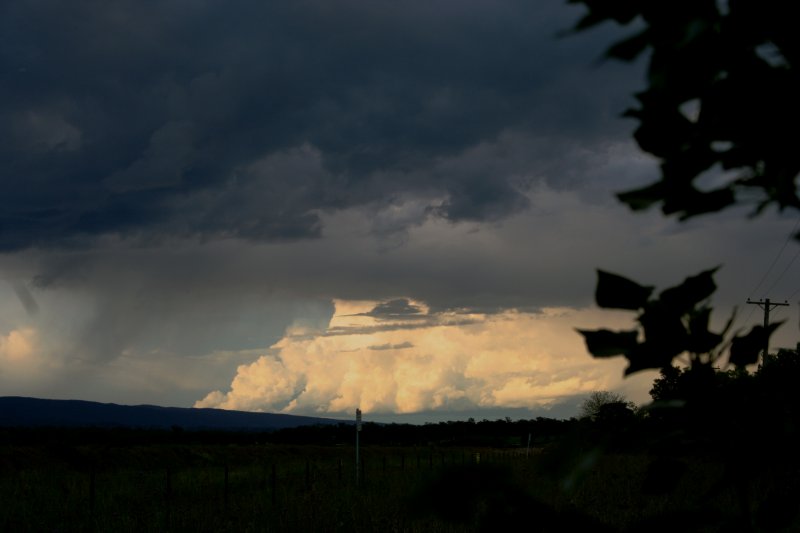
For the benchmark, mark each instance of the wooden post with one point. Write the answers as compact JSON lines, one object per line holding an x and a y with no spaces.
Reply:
{"x":767,"y":306}
{"x":358,"y":451}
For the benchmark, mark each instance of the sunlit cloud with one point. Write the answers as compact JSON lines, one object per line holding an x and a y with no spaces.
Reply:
{"x":20,"y":356}
{"x":18,"y":345}
{"x":448,"y":361}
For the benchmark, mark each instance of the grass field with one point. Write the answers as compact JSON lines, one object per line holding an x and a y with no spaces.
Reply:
{"x":166,"y":487}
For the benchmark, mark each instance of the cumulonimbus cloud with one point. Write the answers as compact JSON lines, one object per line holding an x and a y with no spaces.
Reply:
{"x":509,"y":359}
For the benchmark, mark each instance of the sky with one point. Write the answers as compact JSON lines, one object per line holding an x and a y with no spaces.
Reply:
{"x":311,"y":206}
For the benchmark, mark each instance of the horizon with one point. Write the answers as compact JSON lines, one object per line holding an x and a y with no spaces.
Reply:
{"x":422,"y":418}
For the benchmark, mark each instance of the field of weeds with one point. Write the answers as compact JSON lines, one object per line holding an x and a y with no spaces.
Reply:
{"x":169,"y":487}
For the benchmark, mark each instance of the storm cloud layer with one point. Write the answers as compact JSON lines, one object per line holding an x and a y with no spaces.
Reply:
{"x":246,"y":119}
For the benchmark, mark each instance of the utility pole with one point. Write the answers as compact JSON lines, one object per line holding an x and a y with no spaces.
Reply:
{"x":358,"y":458}
{"x":766,"y":305}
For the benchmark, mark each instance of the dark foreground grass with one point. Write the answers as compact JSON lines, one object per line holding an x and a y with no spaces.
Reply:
{"x":307,"y":488}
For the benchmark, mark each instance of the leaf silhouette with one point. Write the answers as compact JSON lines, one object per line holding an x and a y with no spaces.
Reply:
{"x":607,"y":343}
{"x":616,"y":292}
{"x":745,"y":350}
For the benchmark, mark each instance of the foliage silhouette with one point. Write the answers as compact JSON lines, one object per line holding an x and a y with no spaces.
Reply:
{"x":734,"y":63}
{"x":675,"y":323}
{"x":722,"y":93}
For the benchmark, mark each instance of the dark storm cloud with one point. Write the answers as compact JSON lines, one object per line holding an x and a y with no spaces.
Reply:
{"x":245,"y":119}
{"x":432,"y":321}
{"x":397,"y":309}
{"x":388,"y":346}
{"x":26,"y":299}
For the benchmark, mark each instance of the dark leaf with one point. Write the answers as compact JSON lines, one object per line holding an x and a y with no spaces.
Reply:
{"x":699,"y":203}
{"x":664,"y":130}
{"x":630,"y":48}
{"x":701,"y":340}
{"x":617,"y":292}
{"x":664,"y":332}
{"x":646,"y":356}
{"x":682,"y":298}
{"x":644,"y":198}
{"x":745,"y":350}
{"x":606,"y":343}
{"x":685,"y":166}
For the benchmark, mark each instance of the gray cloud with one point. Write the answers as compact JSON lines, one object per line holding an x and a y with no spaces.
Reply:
{"x":398,"y":308}
{"x":388,"y":346}
{"x":206,"y":120}
{"x":366,"y":330}
{"x":26,"y":299}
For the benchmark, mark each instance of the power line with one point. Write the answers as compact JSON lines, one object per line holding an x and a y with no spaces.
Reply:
{"x":774,"y":261}
{"x":747,"y":320}
{"x":783,"y":273}
{"x":794,"y":294}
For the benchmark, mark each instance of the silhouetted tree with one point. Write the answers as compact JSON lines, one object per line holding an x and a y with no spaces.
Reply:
{"x":600,"y":403}
{"x":777,"y":378}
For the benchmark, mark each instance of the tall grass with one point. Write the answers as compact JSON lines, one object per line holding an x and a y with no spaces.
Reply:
{"x":308,"y":488}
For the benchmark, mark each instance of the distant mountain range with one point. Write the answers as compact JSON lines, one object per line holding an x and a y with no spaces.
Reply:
{"x":17,"y":411}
